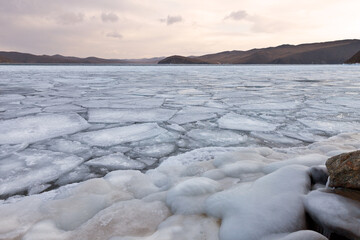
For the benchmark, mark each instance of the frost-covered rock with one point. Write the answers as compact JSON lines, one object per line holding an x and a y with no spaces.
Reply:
{"x":272,"y":204}
{"x":335,"y":213}
{"x":344,"y":170}
{"x":39,"y":127}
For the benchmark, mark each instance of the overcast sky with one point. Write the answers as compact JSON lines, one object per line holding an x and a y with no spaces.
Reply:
{"x":151,"y":28}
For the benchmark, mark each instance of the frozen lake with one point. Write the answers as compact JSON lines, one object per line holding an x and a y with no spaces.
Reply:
{"x":173,"y":152}
{"x":63,"y":124}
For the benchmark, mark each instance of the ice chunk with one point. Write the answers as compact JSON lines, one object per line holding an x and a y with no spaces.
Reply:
{"x":245,"y":214}
{"x":39,"y":127}
{"x":216,"y":138}
{"x":115,"y":161}
{"x":118,"y":135}
{"x":157,"y":151}
{"x":188,"y":197}
{"x":130,"y":115}
{"x":244,"y":123}
{"x":30,"y":168}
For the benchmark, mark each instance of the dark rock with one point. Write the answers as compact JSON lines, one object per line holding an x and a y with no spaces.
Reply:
{"x":319,"y":175}
{"x":344,"y":170}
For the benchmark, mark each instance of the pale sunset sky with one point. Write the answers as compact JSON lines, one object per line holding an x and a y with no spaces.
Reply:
{"x":154,"y":28}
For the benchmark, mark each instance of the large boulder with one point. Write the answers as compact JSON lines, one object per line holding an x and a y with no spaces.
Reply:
{"x":344,"y":170}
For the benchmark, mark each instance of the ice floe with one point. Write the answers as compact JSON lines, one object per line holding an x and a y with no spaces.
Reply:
{"x":114,"y":136}
{"x":39,"y":127}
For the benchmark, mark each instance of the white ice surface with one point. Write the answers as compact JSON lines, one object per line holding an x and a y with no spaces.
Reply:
{"x":39,"y":127}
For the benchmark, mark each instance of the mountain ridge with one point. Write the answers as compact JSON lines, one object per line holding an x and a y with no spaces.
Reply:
{"x":13,"y":57}
{"x":332,"y":52}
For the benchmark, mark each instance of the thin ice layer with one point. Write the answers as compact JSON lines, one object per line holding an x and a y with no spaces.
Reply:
{"x":113,"y":136}
{"x":130,"y":115}
{"x":33,"y":168}
{"x":31,"y":129}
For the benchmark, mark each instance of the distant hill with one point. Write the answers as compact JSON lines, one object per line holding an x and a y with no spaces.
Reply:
{"x":335,"y":52}
{"x":354,"y":59}
{"x":181,"y":60}
{"x":17,"y":57}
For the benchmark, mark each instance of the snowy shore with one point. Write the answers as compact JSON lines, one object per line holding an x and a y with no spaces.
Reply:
{"x":209,"y":193}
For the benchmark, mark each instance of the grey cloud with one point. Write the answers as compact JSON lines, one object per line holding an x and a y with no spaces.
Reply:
{"x":171,"y":19}
{"x":109,"y":17}
{"x":114,"y":35}
{"x":70,"y":18}
{"x":238,"y":15}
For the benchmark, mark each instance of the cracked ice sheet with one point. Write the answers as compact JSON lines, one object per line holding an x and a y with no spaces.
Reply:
{"x":31,"y":169}
{"x":31,"y":129}
{"x":113,"y":136}
{"x":129,"y":115}
{"x":241,"y":122}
